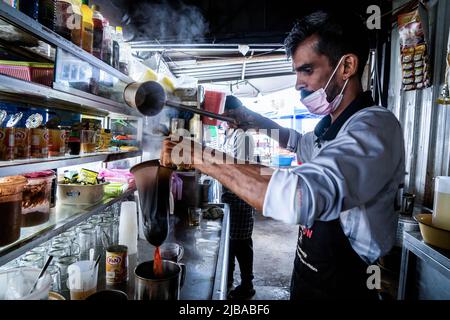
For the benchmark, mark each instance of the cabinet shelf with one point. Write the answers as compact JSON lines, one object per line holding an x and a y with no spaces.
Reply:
{"x":17,"y":90}
{"x":62,"y":217}
{"x":26,"y":23}
{"x":10,"y":168}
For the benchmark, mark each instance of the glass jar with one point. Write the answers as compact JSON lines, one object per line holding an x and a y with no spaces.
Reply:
{"x":11,"y":190}
{"x":36,"y":198}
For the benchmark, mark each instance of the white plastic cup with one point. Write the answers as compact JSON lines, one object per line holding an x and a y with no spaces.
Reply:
{"x":128,"y":227}
{"x":82,"y":281}
{"x":441,"y":212}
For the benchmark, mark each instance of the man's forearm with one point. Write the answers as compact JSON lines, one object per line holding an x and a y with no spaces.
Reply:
{"x":283,"y":133}
{"x":245,"y":180}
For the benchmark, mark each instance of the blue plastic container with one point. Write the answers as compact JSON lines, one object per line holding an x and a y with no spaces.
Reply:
{"x":282,"y":160}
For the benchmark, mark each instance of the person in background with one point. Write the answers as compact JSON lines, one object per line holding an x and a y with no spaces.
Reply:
{"x":240,"y":145}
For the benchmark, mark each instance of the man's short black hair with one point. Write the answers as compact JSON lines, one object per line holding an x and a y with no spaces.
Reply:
{"x":232,"y":102}
{"x":338,"y":33}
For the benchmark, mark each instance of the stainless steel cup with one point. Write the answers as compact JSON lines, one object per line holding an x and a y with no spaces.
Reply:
{"x":150,"y":287}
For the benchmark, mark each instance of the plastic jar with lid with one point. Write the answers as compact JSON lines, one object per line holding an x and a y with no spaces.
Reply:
{"x":36,"y":198}
{"x":11,"y":189}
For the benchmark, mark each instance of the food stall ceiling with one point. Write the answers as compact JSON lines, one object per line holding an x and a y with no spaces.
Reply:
{"x":203,"y":38}
{"x":209,"y":21}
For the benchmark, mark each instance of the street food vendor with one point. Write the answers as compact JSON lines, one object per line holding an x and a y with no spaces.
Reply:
{"x":342,"y":196}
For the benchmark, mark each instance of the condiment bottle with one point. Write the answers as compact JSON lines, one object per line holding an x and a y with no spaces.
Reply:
{"x":87,"y":27}
{"x":107,"y":43}
{"x":97,"y":20}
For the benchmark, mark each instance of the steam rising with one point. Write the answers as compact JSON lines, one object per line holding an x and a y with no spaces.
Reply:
{"x":165,"y":20}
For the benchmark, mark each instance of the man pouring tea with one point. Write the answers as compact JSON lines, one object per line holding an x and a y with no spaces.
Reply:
{"x":342,"y":196}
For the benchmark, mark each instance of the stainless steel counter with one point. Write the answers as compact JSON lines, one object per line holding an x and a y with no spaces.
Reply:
{"x":424,"y":271}
{"x":205,"y":257}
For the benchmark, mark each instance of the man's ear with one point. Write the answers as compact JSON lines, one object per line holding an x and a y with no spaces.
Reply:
{"x":351,"y":64}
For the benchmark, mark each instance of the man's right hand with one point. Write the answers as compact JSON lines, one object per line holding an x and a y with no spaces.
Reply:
{"x":245,"y":118}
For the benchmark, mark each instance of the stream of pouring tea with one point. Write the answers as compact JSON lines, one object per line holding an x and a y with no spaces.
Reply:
{"x":157,"y":264}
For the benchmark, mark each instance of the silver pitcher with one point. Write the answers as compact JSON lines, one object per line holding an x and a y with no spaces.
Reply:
{"x":150,"y":287}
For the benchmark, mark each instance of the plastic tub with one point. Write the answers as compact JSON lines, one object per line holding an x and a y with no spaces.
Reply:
{"x":80,"y":194}
{"x":11,"y":189}
{"x":36,"y":198}
{"x":27,"y":276}
{"x":41,"y":73}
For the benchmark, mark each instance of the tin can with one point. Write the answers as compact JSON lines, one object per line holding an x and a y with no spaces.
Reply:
{"x":7,"y":143}
{"x":116,"y":264}
{"x":56,"y":142}
{"x":22,"y":143}
{"x":39,"y":143}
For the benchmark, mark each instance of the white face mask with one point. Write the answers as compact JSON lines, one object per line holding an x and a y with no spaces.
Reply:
{"x":317,"y":102}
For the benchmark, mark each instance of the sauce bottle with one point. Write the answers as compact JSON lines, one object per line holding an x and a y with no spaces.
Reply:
{"x":87,"y":27}
{"x":115,"y":49}
{"x":65,"y":18}
{"x":76,"y":23}
{"x":46,"y":14}
{"x":30,"y":8}
{"x":124,"y":51}
{"x":107,"y":43}
{"x":97,"y":20}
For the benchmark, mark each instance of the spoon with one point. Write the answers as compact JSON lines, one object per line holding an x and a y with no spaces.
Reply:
{"x":47,"y":263}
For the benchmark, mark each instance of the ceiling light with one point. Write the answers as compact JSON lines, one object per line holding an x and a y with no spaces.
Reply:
{"x":243,"y":49}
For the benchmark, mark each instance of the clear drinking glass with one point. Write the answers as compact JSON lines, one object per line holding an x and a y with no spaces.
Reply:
{"x":34,"y":260}
{"x":53,"y":270}
{"x":58,"y":252}
{"x":63,"y":263}
{"x":194,"y":216}
{"x":87,"y":239}
{"x":104,"y":229}
{"x":88,"y":141}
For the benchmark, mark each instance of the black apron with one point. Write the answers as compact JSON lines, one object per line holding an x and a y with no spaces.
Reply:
{"x":327,"y":267}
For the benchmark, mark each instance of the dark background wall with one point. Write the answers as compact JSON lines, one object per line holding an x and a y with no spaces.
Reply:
{"x":231,"y":21}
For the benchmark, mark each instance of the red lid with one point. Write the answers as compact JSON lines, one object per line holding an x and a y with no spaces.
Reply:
{"x":40,"y":174}
{"x":74,"y":139}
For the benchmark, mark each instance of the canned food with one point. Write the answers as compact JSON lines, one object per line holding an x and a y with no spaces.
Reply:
{"x":56,"y":142}
{"x":39,"y":143}
{"x":116,"y":264}
{"x":7,"y":143}
{"x":22,"y":143}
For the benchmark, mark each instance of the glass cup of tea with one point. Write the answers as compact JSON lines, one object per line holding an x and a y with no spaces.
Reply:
{"x":88,"y":141}
{"x":194,"y":216}
{"x":171,"y":251}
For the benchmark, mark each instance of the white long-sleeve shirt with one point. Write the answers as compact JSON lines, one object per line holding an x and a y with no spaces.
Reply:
{"x":353,"y":177}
